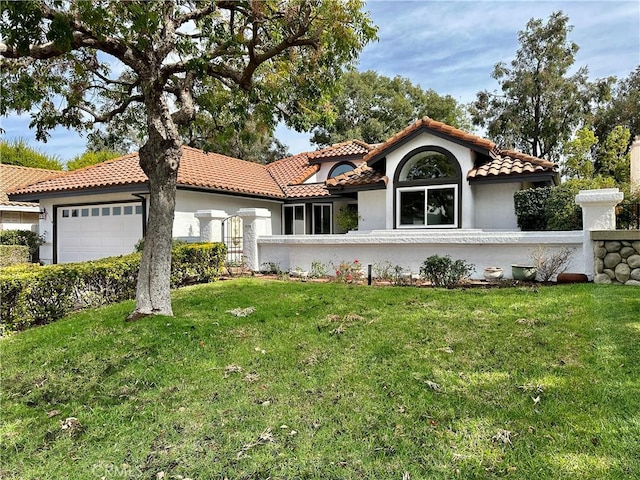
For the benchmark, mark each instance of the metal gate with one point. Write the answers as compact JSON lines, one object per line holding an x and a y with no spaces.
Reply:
{"x":232,"y":238}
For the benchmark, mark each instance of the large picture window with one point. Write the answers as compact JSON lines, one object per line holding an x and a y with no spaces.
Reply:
{"x":427,"y":185}
{"x":428,"y":206}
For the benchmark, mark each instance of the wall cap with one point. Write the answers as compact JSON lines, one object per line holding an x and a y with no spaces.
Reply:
{"x":628,"y":235}
{"x":603,"y":196}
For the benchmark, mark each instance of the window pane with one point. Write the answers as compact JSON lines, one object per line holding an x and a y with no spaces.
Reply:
{"x":298,"y":226}
{"x":441,"y":206}
{"x":138,"y":209}
{"x":412,"y":208}
{"x":288,"y":220}
{"x":85,"y":212}
{"x":95,"y":212}
{"x":128,"y":210}
{"x":117,"y":210}
{"x":341,"y":169}
{"x":65,"y":213}
{"x":106,"y":211}
{"x":428,"y":165}
{"x":322,"y":219}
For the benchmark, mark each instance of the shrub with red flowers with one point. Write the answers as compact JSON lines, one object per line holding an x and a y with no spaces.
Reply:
{"x":349,"y":272}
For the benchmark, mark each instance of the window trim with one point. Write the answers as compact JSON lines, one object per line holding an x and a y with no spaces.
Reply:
{"x":313,"y":218}
{"x":426,"y":188}
{"x":425,"y":184}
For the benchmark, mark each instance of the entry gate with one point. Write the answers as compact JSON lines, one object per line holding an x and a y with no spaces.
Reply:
{"x":232,"y":238}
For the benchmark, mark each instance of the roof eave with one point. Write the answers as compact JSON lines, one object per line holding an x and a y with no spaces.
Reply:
{"x":511,"y":178}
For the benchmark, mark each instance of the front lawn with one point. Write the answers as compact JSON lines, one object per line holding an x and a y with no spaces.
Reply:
{"x":258,"y":379}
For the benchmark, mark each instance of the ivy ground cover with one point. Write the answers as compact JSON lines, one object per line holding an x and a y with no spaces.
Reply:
{"x":257,"y":379}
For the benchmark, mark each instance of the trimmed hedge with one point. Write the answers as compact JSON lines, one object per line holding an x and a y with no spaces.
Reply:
{"x":13,"y":254}
{"x":23,"y":237}
{"x":36,"y":295}
{"x":530,"y":207}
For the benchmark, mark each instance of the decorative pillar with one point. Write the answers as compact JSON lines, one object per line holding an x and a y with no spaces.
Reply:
{"x":598,"y":213}
{"x":634,"y":155}
{"x":256,"y":222}
{"x":211,"y":224}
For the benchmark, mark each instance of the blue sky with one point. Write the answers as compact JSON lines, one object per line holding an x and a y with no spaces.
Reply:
{"x":450,"y":47}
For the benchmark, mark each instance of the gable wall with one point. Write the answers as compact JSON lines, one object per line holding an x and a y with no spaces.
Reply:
{"x":465,"y":158}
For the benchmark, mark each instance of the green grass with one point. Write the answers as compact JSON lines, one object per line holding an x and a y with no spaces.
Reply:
{"x":332,"y":381}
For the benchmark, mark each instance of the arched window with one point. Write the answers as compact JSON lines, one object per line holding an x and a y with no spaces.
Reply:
{"x":427,"y":183}
{"x":339,"y":168}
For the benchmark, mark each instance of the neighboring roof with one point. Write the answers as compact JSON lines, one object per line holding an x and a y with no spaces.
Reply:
{"x":351,"y":149}
{"x":15,"y":176}
{"x":197,"y":169}
{"x":361,"y":176}
{"x":492,"y":164}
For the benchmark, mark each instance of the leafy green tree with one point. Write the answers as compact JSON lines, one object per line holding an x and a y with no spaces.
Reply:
{"x":623,"y":108}
{"x":18,"y":152}
{"x":91,"y":158}
{"x":539,"y":105}
{"x":613,"y":155}
{"x":284,"y":56}
{"x":578,"y":162}
{"x":372,"y":107}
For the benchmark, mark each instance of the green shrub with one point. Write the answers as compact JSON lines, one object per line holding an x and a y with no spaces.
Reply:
{"x":23,"y":237}
{"x":13,"y":255}
{"x":444,"y":272}
{"x":196,"y":262}
{"x":530,"y":205}
{"x":43,"y":294}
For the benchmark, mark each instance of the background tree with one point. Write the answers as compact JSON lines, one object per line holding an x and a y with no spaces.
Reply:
{"x":18,"y":152}
{"x":91,"y":158}
{"x":540,"y":105}
{"x":372,"y":107}
{"x":578,"y":162}
{"x":284,"y":54}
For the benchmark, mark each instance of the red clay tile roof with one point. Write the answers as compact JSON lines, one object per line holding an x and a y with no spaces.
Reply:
{"x":362,"y":175}
{"x":350,"y":149}
{"x":15,"y":176}
{"x":292,"y":170}
{"x":306,"y":190}
{"x":435,"y":126}
{"x":197,"y":169}
{"x":502,"y":163}
{"x":510,"y":162}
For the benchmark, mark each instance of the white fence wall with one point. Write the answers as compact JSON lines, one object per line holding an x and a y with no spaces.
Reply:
{"x":410,"y":249}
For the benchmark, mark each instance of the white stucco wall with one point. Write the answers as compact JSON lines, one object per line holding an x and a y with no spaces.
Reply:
{"x":186,"y":226}
{"x":372,"y":209}
{"x":492,"y":202}
{"x":409,"y":249}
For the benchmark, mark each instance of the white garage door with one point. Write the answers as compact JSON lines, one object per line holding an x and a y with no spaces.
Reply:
{"x":89,"y":232}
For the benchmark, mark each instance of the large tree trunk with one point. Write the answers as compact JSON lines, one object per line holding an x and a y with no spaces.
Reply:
{"x":160,"y":159}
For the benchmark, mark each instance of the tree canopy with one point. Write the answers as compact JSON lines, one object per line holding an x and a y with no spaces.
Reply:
{"x":91,"y":158}
{"x":18,"y":152}
{"x":372,"y":107}
{"x":540,"y":104}
{"x":283,"y":58}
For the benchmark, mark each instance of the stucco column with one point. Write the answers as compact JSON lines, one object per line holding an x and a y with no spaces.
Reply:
{"x":211,"y":224}
{"x":256,"y":222}
{"x":598,"y":213}
{"x":635,"y":165}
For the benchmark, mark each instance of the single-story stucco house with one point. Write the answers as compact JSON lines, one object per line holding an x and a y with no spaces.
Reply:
{"x":15,"y":215}
{"x":430,"y":176}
